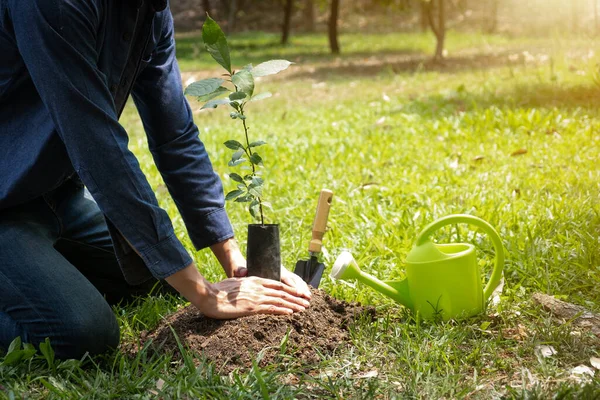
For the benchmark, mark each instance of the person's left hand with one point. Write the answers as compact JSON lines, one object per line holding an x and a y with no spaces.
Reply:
{"x":233,"y":262}
{"x":293,"y":280}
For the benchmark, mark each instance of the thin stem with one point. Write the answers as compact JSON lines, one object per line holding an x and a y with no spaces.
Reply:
{"x":249,"y":152}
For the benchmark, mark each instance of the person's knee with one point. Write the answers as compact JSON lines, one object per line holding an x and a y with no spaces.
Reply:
{"x":94,"y":332}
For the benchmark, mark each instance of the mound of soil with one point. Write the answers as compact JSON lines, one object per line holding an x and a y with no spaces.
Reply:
{"x":232,"y":344}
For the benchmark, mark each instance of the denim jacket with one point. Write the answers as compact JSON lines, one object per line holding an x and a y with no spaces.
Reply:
{"x":67,"y":68}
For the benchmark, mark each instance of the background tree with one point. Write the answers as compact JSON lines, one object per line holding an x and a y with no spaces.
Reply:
{"x":423,"y":18}
{"x":232,"y":9}
{"x":206,"y":6}
{"x":309,"y":15}
{"x":333,"y":27}
{"x":436,"y":15}
{"x":287,"y":18}
{"x":493,"y":23}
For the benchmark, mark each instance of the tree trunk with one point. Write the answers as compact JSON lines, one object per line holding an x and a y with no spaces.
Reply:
{"x":287,"y":17}
{"x":309,"y":15}
{"x":424,"y":22}
{"x":493,"y":24}
{"x":333,"y":21}
{"x":438,"y":27}
{"x":206,"y":6}
{"x":231,"y":17}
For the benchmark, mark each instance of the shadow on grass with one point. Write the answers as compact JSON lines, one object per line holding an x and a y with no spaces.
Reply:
{"x":407,"y":63}
{"x":542,"y":95}
{"x":302,"y":53}
{"x":362,"y":55}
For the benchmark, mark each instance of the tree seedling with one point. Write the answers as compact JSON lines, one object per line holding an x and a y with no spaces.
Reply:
{"x":236,"y":90}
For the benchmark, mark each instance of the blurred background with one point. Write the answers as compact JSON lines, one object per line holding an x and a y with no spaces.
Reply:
{"x":509,"y":17}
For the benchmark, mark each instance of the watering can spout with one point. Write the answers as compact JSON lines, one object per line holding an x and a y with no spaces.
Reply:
{"x":345,"y":268}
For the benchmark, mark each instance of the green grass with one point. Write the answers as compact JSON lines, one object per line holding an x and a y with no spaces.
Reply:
{"x":400,"y":145}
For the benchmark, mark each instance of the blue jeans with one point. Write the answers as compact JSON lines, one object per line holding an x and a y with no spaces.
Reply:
{"x":59,"y":274}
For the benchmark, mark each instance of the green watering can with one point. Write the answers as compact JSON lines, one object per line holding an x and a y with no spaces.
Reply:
{"x":442,"y":280}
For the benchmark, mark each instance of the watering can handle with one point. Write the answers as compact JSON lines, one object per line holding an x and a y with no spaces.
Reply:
{"x":472,"y":220}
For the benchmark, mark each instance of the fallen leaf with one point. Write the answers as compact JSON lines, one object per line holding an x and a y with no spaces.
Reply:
{"x":545,"y":351}
{"x":582,"y":372}
{"x":595,"y":361}
{"x":518,"y":152}
{"x":160,"y":383}
{"x":370,"y":374}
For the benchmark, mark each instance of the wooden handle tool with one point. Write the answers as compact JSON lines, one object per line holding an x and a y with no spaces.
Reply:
{"x":320,"y":223}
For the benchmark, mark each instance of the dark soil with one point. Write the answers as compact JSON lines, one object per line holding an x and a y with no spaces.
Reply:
{"x":231,"y":344}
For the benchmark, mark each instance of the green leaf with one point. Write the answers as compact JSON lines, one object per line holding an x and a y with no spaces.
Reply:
{"x":257,"y":143}
{"x":216,"y":43}
{"x":237,"y":155}
{"x":237,"y":96}
{"x":235,"y":163}
{"x":244,"y":199}
{"x":215,"y":103}
{"x":243,"y":81}
{"x":255,"y":191}
{"x":256,"y":181}
{"x":270,"y":67}
{"x":254,"y":209}
{"x":219,"y":92}
{"x":261,"y":96}
{"x":235,"y":177}
{"x":15,"y":345}
{"x":233,"y":145}
{"x":247,"y":67}
{"x":233,"y":194}
{"x":13,"y":357}
{"x":203,"y":87}
{"x":48,"y":352}
{"x":284,"y":342}
{"x":28,"y":350}
{"x":256,"y":159}
{"x":267,"y":205}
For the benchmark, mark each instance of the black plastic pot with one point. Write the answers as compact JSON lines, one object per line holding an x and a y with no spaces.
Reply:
{"x":263,"y":255}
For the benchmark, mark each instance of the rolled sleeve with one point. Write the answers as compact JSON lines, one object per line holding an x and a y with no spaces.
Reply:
{"x":166,"y":257}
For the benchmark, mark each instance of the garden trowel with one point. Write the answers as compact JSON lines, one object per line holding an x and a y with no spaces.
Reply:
{"x":312,"y":270}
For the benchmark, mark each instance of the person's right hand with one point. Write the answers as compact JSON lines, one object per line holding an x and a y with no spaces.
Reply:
{"x":237,"y":297}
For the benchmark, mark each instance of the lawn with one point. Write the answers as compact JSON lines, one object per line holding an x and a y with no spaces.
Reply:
{"x":508,"y":130}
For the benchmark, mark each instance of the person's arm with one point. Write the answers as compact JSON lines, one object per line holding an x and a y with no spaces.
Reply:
{"x":57,"y":41}
{"x":182,"y":159}
{"x":173,"y":140}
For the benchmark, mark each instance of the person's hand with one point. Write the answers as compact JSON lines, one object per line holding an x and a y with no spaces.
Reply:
{"x":237,"y":297}
{"x":293,"y":280}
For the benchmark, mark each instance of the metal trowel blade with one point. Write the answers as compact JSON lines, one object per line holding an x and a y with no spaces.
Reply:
{"x":302,"y":270}
{"x":317,"y":274}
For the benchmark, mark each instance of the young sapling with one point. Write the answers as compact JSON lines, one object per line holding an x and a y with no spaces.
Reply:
{"x":236,"y":90}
